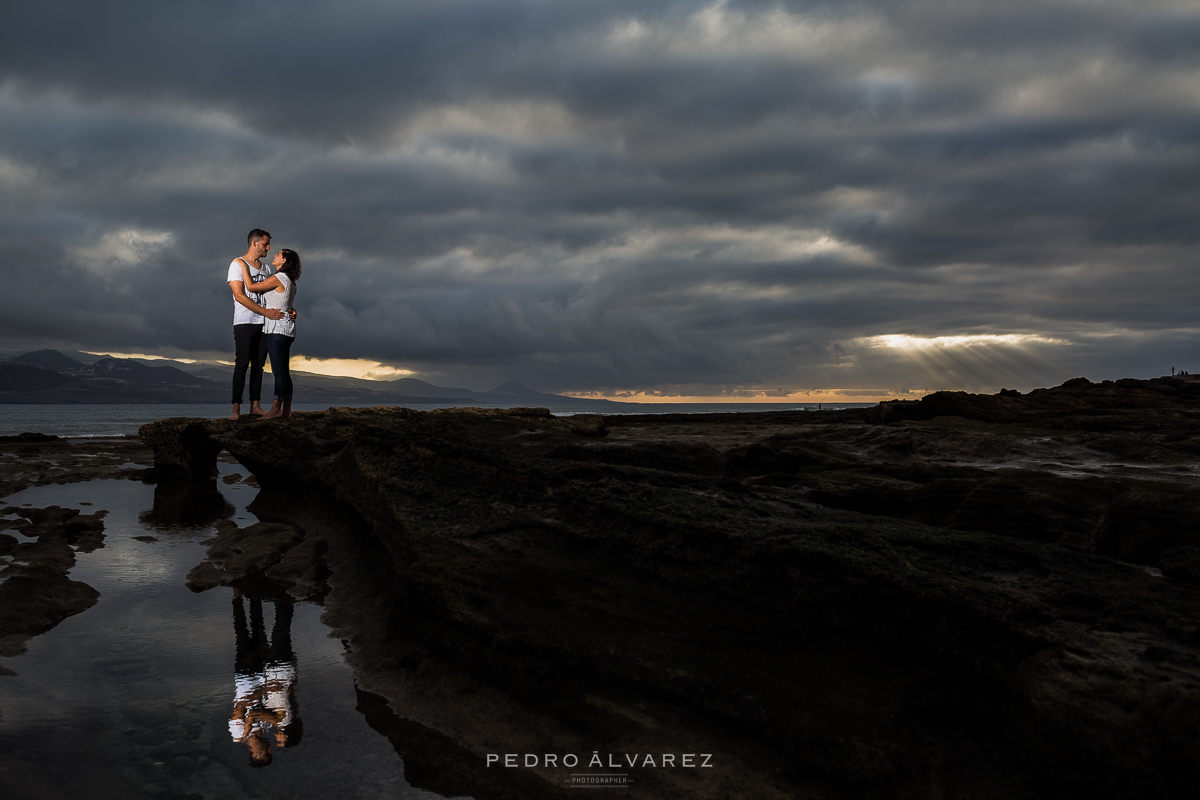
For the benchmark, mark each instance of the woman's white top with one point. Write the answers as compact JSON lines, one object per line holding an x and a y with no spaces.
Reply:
{"x":281,"y":682}
{"x":283,"y":301}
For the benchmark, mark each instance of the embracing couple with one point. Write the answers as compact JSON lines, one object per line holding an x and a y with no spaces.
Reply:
{"x":264,"y":323}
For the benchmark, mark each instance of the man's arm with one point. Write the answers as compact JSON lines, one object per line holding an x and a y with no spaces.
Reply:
{"x":239,"y":294}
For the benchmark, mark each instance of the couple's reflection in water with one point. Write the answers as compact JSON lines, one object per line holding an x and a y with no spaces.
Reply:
{"x":265,"y":713}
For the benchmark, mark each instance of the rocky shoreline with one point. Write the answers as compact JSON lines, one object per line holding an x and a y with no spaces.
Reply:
{"x":961,"y":596}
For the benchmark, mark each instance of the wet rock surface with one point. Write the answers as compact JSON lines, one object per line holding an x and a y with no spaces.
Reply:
{"x":963,"y":596}
{"x":35,"y":592}
{"x":273,"y":551}
{"x":35,"y":459}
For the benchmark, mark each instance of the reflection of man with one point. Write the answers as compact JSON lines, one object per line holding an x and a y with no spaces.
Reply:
{"x":249,"y":342}
{"x":264,"y":706}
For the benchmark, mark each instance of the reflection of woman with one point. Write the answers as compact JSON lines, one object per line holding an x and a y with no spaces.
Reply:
{"x":264,"y":707}
{"x":279,"y":292}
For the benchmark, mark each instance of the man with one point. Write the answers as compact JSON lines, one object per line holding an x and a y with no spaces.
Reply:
{"x":250,"y":344}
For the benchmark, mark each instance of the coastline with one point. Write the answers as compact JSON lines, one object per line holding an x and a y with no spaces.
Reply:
{"x":965,"y":594}
{"x":106,"y":420}
{"x":37,"y":459}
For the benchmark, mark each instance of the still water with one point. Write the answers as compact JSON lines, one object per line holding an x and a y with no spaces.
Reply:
{"x":134,"y":697}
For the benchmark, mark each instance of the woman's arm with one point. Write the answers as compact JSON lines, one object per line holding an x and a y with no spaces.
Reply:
{"x":239,"y":294}
{"x":262,"y":286}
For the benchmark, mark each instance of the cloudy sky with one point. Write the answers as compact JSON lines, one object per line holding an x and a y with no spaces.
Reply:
{"x":617,"y":198}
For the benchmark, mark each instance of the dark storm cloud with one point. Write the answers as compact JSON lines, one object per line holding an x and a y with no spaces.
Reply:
{"x":693,"y":197}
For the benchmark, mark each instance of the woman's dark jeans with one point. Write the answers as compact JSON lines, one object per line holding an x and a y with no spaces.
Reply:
{"x":279,"y":348}
{"x":250,"y":350}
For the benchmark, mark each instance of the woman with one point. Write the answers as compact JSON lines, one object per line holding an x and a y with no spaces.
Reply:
{"x":279,"y":291}
{"x":264,"y":708}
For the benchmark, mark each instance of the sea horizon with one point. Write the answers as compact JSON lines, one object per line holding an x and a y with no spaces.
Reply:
{"x":103,"y":420}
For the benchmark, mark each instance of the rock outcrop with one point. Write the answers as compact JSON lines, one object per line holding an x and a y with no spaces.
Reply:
{"x":35,"y":592}
{"x":937,"y":601}
{"x":36,"y":459}
{"x":275,"y":551}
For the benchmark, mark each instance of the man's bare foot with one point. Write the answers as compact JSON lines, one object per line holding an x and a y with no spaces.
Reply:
{"x":272,"y":415}
{"x":237,"y":412}
{"x":257,"y":410}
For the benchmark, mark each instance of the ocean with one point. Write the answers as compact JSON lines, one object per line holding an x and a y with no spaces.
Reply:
{"x":112,"y":419}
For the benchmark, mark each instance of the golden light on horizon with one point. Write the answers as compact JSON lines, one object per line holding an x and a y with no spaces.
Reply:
{"x":804,"y":398}
{"x":871,"y":369}
{"x":331,"y":367}
{"x":145,"y":356}
{"x":348,"y":368}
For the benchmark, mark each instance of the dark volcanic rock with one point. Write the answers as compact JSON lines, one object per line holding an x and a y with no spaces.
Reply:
{"x":1078,"y":396}
{"x":34,"y":459}
{"x":1182,"y":563}
{"x":1107,"y":468}
{"x":237,"y":553}
{"x":184,"y":454}
{"x":27,"y":437}
{"x":36,"y":594}
{"x":35,"y":600}
{"x":907,"y":605}
{"x":60,"y":533}
{"x":274,"y":551}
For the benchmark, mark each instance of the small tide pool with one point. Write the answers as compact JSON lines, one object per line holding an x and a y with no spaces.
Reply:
{"x":135,"y":696}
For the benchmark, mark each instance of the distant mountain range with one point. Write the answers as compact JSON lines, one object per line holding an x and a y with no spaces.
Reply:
{"x":49,"y":376}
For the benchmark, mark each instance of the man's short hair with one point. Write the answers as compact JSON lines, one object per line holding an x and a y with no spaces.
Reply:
{"x":255,"y":235}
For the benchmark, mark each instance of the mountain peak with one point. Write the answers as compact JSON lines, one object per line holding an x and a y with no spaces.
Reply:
{"x":49,"y":359}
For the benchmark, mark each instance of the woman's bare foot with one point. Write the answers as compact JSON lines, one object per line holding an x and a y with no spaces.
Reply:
{"x":272,"y":414}
{"x":257,"y":410}
{"x":237,"y":412}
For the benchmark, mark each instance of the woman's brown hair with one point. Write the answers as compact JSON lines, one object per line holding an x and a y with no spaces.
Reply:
{"x":291,"y":264}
